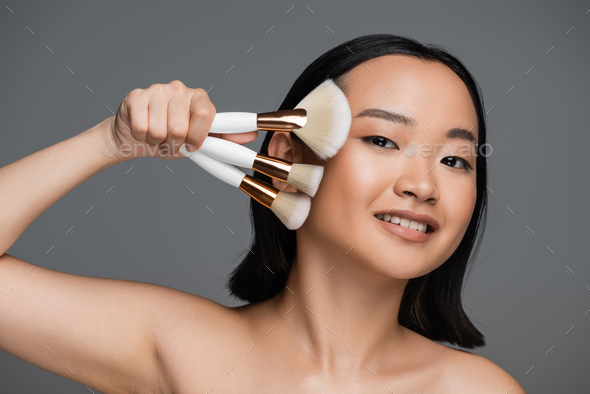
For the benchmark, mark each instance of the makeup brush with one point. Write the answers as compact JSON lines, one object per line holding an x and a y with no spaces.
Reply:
{"x":322,"y":120}
{"x":291,"y":208}
{"x":305,"y":177}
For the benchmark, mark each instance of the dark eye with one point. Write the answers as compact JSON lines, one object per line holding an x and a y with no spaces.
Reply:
{"x":380,"y":141}
{"x":452,"y":160}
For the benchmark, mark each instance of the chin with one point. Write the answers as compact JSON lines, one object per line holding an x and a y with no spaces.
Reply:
{"x":396,"y":267}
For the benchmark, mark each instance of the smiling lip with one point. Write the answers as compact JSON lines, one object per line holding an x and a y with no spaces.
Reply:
{"x":406,"y":214}
{"x":405,"y":233}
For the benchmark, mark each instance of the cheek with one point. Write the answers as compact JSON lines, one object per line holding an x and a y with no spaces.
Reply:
{"x":467,"y":204}
{"x":351,"y":180}
{"x":340,"y":206}
{"x":459,"y":204}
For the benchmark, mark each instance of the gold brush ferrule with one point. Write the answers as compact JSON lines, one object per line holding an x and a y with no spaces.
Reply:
{"x":259,"y":190}
{"x":272,"y":167}
{"x":283,"y":120}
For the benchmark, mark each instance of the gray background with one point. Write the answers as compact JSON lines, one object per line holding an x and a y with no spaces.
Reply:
{"x":529,"y":290}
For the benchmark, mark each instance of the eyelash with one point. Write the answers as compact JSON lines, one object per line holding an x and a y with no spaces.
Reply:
{"x":466,"y":165}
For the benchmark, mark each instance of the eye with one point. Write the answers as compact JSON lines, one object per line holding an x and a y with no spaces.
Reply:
{"x":452,"y":160}
{"x":380,"y":141}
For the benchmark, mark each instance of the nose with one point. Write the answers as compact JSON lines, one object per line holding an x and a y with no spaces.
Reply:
{"x":417,"y":179}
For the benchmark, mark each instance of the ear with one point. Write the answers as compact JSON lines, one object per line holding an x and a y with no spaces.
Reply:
{"x":282,"y":146}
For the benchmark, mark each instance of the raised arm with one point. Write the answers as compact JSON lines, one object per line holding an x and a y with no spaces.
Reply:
{"x":32,"y":184}
{"x":99,"y":332}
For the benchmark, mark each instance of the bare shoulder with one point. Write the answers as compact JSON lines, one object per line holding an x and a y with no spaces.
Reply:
{"x":467,"y":372}
{"x":446,"y":369}
{"x":194,"y":337}
{"x":184,"y":315}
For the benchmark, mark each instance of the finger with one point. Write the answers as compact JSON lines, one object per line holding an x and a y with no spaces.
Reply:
{"x":238,"y":138}
{"x":202,"y":112}
{"x":157,"y":118}
{"x":178,"y":121}
{"x":136,"y":108}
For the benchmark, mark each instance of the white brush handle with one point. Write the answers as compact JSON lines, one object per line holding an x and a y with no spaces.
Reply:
{"x":228,"y":151}
{"x":234,"y":122}
{"x":226,"y":172}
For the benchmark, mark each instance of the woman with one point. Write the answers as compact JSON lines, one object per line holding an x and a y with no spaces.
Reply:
{"x":346,"y":303}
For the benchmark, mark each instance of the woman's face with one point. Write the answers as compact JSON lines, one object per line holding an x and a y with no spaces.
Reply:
{"x":386,"y":165}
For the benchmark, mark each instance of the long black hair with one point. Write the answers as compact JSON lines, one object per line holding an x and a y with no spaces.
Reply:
{"x":431,"y":304}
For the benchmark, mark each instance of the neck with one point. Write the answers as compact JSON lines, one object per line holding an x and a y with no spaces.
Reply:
{"x":341,"y":313}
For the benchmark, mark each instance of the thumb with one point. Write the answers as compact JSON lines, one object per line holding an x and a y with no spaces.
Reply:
{"x":238,"y":138}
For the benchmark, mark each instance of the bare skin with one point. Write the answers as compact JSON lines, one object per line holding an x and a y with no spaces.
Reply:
{"x":334,"y":329}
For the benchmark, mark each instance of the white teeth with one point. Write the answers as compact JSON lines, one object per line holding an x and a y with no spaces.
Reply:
{"x":411,"y":224}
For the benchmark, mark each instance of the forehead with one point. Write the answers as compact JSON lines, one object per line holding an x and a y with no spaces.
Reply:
{"x":429,"y":92}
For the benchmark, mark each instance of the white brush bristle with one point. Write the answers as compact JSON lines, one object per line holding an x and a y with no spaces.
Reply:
{"x":328,"y":119}
{"x":291,"y":208}
{"x":306,"y":177}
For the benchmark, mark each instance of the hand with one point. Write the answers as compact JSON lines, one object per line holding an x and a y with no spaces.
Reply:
{"x":156,"y":122}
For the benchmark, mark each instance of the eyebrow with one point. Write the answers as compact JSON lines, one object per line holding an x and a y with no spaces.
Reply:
{"x":395,"y":117}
